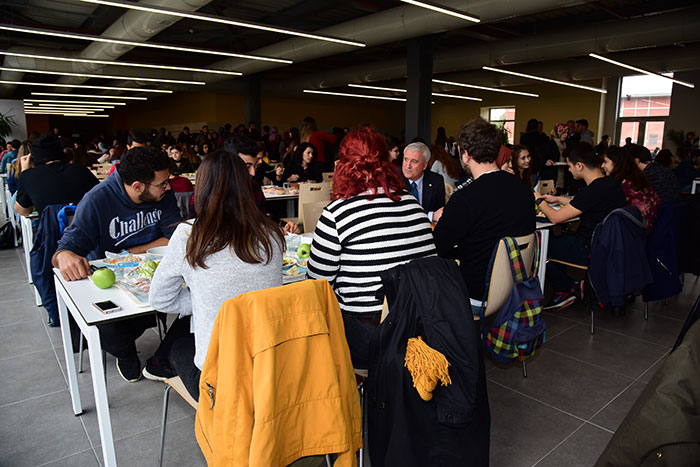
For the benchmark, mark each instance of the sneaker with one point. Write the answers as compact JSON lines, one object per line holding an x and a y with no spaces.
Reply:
{"x":561,"y":300}
{"x":129,"y":369}
{"x":157,"y":370}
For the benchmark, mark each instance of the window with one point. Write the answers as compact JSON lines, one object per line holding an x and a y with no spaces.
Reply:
{"x":504,"y":117}
{"x":645,"y":102}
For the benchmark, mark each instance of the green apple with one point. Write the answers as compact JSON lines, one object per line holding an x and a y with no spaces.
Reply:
{"x":304,"y":250}
{"x":103,"y":278}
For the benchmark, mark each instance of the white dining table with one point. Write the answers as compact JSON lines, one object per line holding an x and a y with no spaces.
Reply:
{"x":27,"y":245}
{"x":290,"y":199}
{"x":77,"y":298}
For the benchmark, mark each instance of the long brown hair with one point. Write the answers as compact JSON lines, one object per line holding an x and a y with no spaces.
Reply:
{"x":524,"y":174}
{"x":452,"y":167}
{"x":626,"y":169}
{"x":227,"y":214}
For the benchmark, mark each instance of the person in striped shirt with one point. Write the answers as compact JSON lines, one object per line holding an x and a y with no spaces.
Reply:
{"x":370,"y":226}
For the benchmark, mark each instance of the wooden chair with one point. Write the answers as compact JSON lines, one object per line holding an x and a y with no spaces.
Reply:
{"x":449,"y":189}
{"x":546,"y":186}
{"x":328,"y":176}
{"x":179,"y":387}
{"x":311,"y":213}
{"x":310,"y":193}
{"x":500,"y":282}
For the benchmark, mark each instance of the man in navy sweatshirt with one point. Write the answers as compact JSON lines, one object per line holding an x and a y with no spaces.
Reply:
{"x":134,"y":210}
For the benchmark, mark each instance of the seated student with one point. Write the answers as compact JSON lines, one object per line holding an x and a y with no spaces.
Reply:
{"x":9,"y":155}
{"x":134,"y":210}
{"x":688,"y":170}
{"x":592,"y":203}
{"x":662,"y":179}
{"x":178,"y":164}
{"x":494,"y":205}
{"x":428,"y":187}
{"x":618,"y":163}
{"x":303,"y":167}
{"x":520,"y":164}
{"x":229,"y":249}
{"x":51,"y":181}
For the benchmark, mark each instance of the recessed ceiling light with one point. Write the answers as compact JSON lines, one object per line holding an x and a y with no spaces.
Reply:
{"x":113,"y":63}
{"x":444,"y":10}
{"x":84,"y":86}
{"x":153,"y":45}
{"x":95,"y":75}
{"x":223,"y":20}
{"x":547,"y":80}
{"x":96,"y":96}
{"x":485,"y":88}
{"x":640,"y":70}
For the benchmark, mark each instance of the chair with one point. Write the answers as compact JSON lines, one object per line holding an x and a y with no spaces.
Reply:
{"x":449,"y":189}
{"x":176,"y":384}
{"x":500,"y":283}
{"x":183,"y":203}
{"x":310,"y":193}
{"x":311,"y":214}
{"x":328,"y":176}
{"x":546,"y":186}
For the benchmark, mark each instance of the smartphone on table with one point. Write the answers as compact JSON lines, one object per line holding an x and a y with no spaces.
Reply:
{"x":106,"y":307}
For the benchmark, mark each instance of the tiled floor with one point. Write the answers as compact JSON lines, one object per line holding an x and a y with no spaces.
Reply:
{"x":578,"y":389}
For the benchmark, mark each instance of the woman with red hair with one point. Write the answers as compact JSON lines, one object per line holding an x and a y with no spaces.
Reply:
{"x":370,"y":225}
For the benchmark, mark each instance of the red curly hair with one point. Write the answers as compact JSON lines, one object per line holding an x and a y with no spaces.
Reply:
{"x":363,"y":165}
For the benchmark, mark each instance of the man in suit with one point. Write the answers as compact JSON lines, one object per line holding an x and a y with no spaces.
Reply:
{"x":428,"y":187}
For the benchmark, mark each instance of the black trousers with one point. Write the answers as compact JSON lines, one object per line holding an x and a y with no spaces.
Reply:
{"x":119,"y":338}
{"x":182,"y":362}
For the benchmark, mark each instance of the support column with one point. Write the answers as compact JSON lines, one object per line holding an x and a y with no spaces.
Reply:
{"x":419,"y":68}
{"x":253,"y":111}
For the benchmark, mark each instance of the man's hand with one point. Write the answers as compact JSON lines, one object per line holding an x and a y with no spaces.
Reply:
{"x":549,"y":163}
{"x":293,"y":178}
{"x":551,"y":199}
{"x":291,"y":228}
{"x":437,"y":215}
{"x":73,"y":267}
{"x":279,"y":170}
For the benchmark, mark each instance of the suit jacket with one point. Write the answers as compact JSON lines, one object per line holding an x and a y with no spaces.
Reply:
{"x":433,"y":191}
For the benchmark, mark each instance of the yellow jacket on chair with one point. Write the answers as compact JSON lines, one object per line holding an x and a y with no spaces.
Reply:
{"x":278,"y":383}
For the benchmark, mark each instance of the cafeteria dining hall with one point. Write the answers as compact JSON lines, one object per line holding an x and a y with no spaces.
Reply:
{"x":374,"y":233}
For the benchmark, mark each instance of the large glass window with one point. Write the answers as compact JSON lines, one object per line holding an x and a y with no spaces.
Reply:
{"x":504,"y":117}
{"x":645,"y":102}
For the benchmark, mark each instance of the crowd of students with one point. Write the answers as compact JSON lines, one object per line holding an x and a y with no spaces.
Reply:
{"x":388,"y":207}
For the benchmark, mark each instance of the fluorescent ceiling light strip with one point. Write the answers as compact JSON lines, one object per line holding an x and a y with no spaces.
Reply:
{"x":454,"y":96}
{"x":65,"y":109}
{"x":85,"y":86}
{"x":67,"y":115}
{"x":95,"y":75}
{"x":55,"y":112}
{"x":223,"y":20}
{"x":379,"y":88}
{"x":364,"y":96}
{"x":442,"y":9}
{"x":485,"y":88}
{"x":548,"y":80}
{"x":94,"y":96}
{"x":640,"y":70}
{"x":132,"y":64}
{"x":88,"y":37}
{"x":41,"y":104}
{"x":102,"y":104}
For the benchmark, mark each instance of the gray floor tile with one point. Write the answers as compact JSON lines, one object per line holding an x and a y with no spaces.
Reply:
{"x":616,"y":352}
{"x":556,"y":324}
{"x":82,"y":459}
{"x":181,"y":448}
{"x":612,"y":415}
{"x":580,"y":450}
{"x":560,"y":381}
{"x":22,"y":338}
{"x":523,"y":430}
{"x":646,"y":377}
{"x":17,"y":311}
{"x":17,"y":288}
{"x":40,"y":430}
{"x":29,"y":375}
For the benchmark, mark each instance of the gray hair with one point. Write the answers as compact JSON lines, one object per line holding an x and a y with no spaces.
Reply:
{"x":420,"y":147}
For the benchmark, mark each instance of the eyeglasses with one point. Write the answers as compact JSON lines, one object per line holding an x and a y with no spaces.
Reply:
{"x":163,"y":186}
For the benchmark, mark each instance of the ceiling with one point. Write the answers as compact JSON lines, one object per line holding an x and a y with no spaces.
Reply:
{"x":547,"y":37}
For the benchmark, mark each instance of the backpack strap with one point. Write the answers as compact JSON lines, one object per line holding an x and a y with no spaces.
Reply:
{"x":516,"y":259}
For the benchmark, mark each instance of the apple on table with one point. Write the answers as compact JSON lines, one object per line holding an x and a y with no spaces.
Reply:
{"x":103,"y":278}
{"x":304,"y":251}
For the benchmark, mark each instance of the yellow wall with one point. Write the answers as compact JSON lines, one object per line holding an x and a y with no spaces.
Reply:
{"x":556,"y":104}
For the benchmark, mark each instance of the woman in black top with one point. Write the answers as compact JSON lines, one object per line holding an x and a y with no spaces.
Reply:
{"x":303,"y":168}
{"x":178,"y":165}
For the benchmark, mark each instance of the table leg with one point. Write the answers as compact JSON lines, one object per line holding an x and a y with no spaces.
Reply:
{"x":99,"y":385}
{"x":544,"y":246}
{"x":290,"y":207}
{"x":68,"y":351}
{"x":27,"y":244}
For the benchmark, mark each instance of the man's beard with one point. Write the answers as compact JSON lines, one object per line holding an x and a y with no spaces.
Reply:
{"x":147,"y":197}
{"x":465,"y":167}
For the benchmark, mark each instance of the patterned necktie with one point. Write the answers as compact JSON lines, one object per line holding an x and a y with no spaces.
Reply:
{"x":414,"y":189}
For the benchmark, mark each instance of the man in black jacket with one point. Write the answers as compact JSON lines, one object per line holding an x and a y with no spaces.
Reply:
{"x":428,"y":187}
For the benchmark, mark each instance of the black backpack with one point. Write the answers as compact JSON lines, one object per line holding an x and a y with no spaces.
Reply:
{"x":7,"y":236}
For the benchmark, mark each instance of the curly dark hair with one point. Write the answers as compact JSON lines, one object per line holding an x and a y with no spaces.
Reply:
{"x":480,"y":139}
{"x":141,"y":163}
{"x":241,"y":144}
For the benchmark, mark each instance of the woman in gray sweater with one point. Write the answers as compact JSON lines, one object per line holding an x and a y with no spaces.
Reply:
{"x":229,"y":249}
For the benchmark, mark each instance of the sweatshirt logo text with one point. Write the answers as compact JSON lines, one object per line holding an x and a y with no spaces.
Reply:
{"x":124,"y":229}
